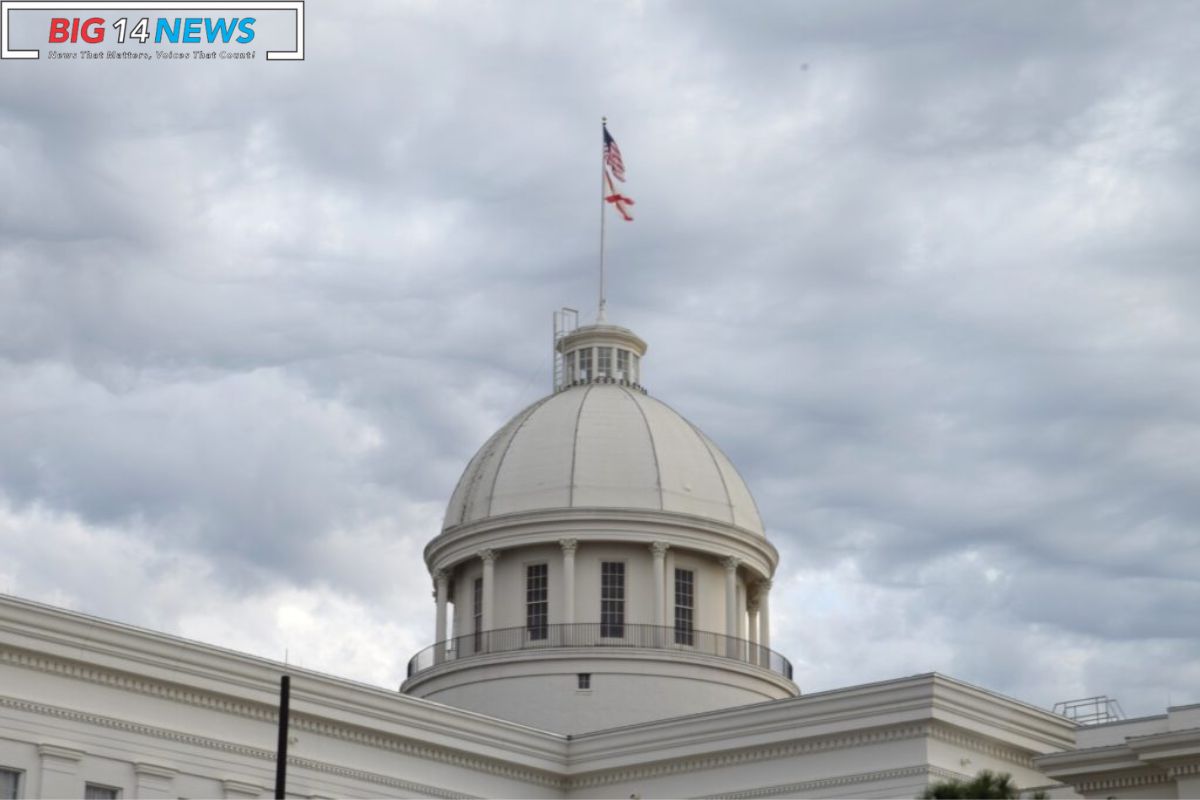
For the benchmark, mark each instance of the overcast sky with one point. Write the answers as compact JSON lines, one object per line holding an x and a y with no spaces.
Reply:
{"x":927,"y":272}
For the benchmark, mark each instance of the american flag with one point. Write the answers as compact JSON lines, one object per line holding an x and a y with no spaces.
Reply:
{"x":612,"y":156}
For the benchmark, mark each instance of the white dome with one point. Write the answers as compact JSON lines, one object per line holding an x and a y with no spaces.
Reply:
{"x":602,"y":445}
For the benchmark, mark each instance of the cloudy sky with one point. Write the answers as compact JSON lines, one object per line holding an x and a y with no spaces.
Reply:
{"x":926,"y":271}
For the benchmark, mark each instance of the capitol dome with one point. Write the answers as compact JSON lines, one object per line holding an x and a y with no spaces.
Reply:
{"x":600,"y":445}
{"x":601,"y":562}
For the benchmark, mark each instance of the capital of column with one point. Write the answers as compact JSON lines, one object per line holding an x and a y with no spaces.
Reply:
{"x":764,"y":586}
{"x":568,"y":545}
{"x":731,"y":563}
{"x":659,"y":549}
{"x":440,"y":575}
{"x":489,"y":556}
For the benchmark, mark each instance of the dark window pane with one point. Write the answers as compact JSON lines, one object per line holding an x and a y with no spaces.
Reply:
{"x":537,"y":606}
{"x":612,"y":599}
{"x":685,"y":607}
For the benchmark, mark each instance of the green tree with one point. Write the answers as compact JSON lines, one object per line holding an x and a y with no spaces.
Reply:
{"x":986,"y":784}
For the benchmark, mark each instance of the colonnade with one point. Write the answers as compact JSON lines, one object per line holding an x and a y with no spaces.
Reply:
{"x":757,"y":600}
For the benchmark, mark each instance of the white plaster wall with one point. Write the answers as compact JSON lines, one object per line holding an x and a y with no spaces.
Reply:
{"x":542,"y":689}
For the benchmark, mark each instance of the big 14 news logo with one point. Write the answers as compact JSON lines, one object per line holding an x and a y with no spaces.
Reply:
{"x":166,"y":30}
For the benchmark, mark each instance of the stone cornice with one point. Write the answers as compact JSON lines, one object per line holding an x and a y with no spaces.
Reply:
{"x":601,"y":333}
{"x":793,"y":789}
{"x":951,"y":735}
{"x":919,"y":699}
{"x":299,"y":720}
{"x":298,"y":723}
{"x":47,"y":639}
{"x":1180,"y":770}
{"x":972,"y":707}
{"x":1121,"y":782}
{"x":746,"y":755}
{"x":643,"y":526}
{"x":1169,"y":744}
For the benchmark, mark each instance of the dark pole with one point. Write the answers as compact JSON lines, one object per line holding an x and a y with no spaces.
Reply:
{"x":285,"y":692}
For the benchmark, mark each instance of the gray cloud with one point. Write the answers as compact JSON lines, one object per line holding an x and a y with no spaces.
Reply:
{"x":923,"y":270}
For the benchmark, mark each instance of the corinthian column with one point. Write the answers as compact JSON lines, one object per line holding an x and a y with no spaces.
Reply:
{"x":764,"y":613}
{"x":568,"y":552}
{"x":489,"y":583}
{"x":731,"y":565}
{"x":441,"y":582}
{"x":659,"y":550}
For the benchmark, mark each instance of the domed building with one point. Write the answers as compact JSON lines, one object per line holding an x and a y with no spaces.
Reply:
{"x":602,"y":629}
{"x":602,"y":562}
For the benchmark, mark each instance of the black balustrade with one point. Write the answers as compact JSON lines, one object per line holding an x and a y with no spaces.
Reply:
{"x":589,"y":634}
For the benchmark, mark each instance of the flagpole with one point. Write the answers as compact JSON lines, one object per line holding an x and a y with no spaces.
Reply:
{"x":600,"y":311}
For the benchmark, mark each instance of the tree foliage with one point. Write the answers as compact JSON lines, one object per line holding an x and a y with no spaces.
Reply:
{"x":986,"y":784}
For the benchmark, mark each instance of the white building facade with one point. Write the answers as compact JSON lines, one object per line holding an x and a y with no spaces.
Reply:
{"x":601,"y":629}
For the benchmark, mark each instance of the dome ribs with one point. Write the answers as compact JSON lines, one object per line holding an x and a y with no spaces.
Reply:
{"x":653,"y":447}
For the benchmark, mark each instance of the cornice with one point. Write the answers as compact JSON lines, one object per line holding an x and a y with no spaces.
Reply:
{"x":820,"y":716}
{"x":947,"y":733}
{"x":298,"y":723}
{"x":1086,"y":757}
{"x":952,"y":697}
{"x":792,"y":789}
{"x":1180,"y":770}
{"x":58,"y":641}
{"x":1184,"y":742}
{"x":604,"y":334}
{"x":268,"y":714}
{"x":1120,"y":782}
{"x":135,"y":683}
{"x":747,"y":755}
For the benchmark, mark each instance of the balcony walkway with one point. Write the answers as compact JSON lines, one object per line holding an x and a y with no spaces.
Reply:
{"x":594,"y":635}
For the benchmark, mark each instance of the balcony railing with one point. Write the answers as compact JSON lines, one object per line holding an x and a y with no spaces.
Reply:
{"x":595,"y":634}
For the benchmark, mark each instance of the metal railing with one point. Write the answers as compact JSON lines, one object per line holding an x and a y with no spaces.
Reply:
{"x":595,"y":634}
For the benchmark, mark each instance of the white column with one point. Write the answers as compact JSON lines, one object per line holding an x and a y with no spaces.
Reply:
{"x":441,"y":582}
{"x":669,"y":590}
{"x":731,"y":565}
{"x":742,"y":602}
{"x":659,"y":550}
{"x":764,"y":613}
{"x":752,"y":613}
{"x":568,"y":552}
{"x":489,"y":583}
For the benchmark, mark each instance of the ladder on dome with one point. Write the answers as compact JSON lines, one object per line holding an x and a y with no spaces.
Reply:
{"x":565,"y":322}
